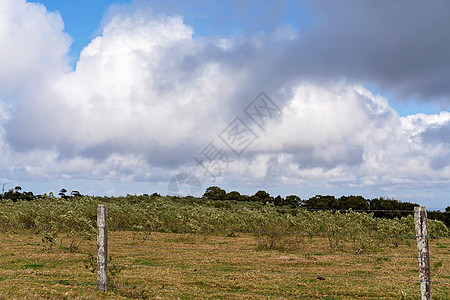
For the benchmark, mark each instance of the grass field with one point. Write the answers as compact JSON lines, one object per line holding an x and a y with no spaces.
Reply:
{"x":214,"y":266}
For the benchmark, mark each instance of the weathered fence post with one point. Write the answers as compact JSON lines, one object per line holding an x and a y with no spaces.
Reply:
{"x":102,"y":247}
{"x":420,"y":225}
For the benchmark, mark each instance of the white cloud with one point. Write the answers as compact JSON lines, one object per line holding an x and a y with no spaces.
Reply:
{"x":345,"y":134}
{"x":146,"y":97}
{"x":132,"y":88}
{"x":32,"y":45}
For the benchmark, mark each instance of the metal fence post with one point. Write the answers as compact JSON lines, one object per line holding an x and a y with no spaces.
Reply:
{"x":102,"y":247}
{"x":420,"y":225}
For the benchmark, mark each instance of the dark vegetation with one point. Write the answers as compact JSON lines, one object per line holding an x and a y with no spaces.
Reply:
{"x":381,"y":207}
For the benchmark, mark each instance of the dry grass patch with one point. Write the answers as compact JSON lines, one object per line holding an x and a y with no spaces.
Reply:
{"x":212,"y":266}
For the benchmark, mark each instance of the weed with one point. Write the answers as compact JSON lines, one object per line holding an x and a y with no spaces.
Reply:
{"x":49,"y":240}
{"x":439,"y":245}
{"x":438,"y":264}
{"x":90,"y":263}
{"x":405,"y":296}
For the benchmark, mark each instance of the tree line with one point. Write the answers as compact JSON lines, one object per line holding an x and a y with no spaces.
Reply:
{"x":17,"y":194}
{"x":381,"y":207}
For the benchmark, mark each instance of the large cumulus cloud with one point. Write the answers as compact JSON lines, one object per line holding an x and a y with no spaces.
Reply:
{"x":33,"y":46}
{"x":347,"y":135}
{"x":147,"y":95}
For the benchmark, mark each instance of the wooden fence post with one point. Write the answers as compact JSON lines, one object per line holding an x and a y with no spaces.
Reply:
{"x":420,"y":225}
{"x":102,"y":247}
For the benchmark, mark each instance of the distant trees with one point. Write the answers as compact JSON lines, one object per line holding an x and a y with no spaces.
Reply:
{"x":16,"y":194}
{"x":263,"y":196}
{"x":322,"y":202}
{"x":384,"y":205}
{"x":234,"y":195}
{"x":215,"y":193}
{"x":293,"y":201}
{"x":381,"y":207}
{"x":62,"y":193}
{"x":75,"y":193}
{"x":342,"y":203}
{"x":442,"y":216}
{"x":353,"y":202}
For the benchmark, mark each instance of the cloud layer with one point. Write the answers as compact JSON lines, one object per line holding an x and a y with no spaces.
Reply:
{"x":147,"y":96}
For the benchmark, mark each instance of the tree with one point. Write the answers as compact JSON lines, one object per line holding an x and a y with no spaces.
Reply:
{"x":28,"y":196}
{"x":322,"y":202}
{"x":215,"y":193}
{"x":75,"y":194}
{"x":15,"y":195}
{"x":386,"y":204}
{"x":263,"y":196}
{"x":62,"y":193}
{"x":278,"y":201}
{"x":234,"y":195}
{"x":293,"y":201}
{"x":253,"y":198}
{"x":353,"y":202}
{"x":18,"y":188}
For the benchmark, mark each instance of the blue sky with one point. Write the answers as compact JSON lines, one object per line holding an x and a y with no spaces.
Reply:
{"x":363,"y":102}
{"x":82,"y":20}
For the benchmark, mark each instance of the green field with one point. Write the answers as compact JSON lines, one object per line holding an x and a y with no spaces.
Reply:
{"x":169,"y":248}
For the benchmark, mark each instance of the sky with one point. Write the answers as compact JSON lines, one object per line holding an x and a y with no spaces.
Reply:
{"x":292,"y":97}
